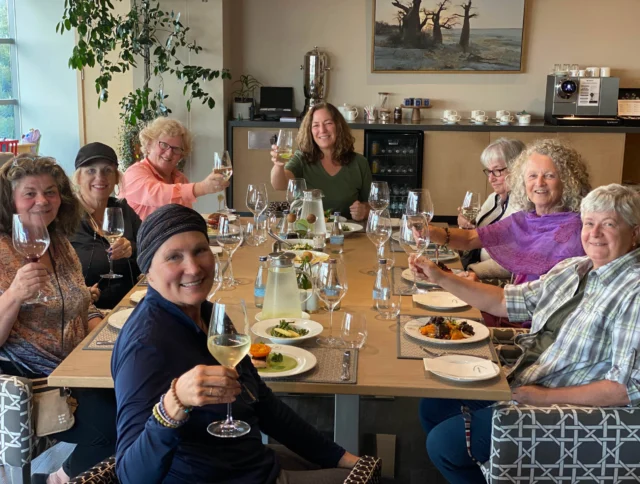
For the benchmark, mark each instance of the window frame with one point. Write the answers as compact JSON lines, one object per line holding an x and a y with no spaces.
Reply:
{"x":11,"y":40}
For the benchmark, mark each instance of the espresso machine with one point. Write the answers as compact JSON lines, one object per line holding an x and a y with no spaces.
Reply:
{"x":315,"y":69}
{"x":581,"y":101}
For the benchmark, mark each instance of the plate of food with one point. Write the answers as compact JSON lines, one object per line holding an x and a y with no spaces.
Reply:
{"x":446,"y":330}
{"x":303,"y":315}
{"x":137,"y":296}
{"x":462,"y":368}
{"x":408,"y":275}
{"x":276,"y":361}
{"x":213,"y":220}
{"x":328,"y":217}
{"x":299,"y":244}
{"x":117,"y":319}
{"x":287,"y":331}
{"x":311,"y":256}
{"x":440,"y":300}
{"x":349,"y":228}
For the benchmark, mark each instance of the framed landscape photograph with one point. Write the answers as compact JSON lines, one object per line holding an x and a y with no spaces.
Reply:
{"x":445,"y":36}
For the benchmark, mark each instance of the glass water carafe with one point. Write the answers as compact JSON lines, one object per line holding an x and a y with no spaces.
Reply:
{"x":282,"y":296}
{"x":312,"y":203}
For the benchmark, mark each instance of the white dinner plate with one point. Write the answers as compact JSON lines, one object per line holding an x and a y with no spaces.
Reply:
{"x":317,"y":256}
{"x":262,"y":329}
{"x":303,"y":315}
{"x":462,"y":368}
{"x":408,"y":275}
{"x":118,"y":319}
{"x":353,"y":228}
{"x":412,"y":328}
{"x":306,"y":361}
{"x":440,"y":300}
{"x":137,"y":296}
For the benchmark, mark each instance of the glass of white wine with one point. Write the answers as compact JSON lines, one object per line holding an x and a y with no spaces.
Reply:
{"x":229,"y":347}
{"x":414,"y":239}
{"x":284,"y":145}
{"x":471,"y":206}
{"x":222,"y":164}
{"x":112,"y":230}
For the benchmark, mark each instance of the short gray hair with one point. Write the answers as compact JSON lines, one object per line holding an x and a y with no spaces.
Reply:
{"x":625,"y":201}
{"x":504,"y":149}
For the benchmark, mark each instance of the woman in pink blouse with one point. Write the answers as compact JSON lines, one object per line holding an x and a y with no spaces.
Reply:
{"x":156,"y":180}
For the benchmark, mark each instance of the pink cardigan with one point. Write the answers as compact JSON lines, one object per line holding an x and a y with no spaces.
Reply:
{"x":145,"y":190}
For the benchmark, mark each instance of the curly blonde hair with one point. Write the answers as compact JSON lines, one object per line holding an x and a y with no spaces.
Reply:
{"x":165,"y":127}
{"x":573,"y":174}
{"x":343,"y":151}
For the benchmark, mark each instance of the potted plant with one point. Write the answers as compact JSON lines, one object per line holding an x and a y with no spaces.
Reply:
{"x":243,"y":96}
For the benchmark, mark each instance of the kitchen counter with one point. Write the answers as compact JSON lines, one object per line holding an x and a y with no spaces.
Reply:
{"x":437,"y":125}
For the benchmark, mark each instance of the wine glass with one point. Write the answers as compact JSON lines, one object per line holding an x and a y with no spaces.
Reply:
{"x":331,"y":285}
{"x":284,"y":145}
{"x":414,"y":238}
{"x":31,"y":239}
{"x":379,"y":195}
{"x":229,"y":238}
{"x":222,"y":165}
{"x":229,"y":347}
{"x":112,"y":230}
{"x":257,"y":200}
{"x":295,"y":193}
{"x":471,"y":206}
{"x":218,"y":273}
{"x":354,"y":330}
{"x":379,"y":231}
{"x":255,"y":233}
{"x":419,"y":202}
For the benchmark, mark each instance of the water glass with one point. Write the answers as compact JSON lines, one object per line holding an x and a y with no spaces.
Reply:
{"x":353,"y":331}
{"x":284,"y":145}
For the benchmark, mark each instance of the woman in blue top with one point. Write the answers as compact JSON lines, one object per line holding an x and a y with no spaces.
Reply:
{"x":161,"y":367}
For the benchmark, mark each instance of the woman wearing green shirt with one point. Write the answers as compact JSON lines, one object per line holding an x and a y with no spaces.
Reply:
{"x":327,"y":161}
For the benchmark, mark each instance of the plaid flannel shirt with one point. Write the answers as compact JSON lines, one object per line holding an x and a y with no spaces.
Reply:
{"x":601,"y":338}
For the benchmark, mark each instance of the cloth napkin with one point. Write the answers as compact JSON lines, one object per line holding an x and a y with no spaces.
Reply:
{"x":471,"y":368}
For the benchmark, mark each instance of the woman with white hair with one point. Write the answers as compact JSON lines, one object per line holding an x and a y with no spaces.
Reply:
{"x":497,"y":159}
{"x":585,"y":332}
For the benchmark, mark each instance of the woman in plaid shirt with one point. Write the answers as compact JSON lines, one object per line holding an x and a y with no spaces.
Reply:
{"x":585,"y":331}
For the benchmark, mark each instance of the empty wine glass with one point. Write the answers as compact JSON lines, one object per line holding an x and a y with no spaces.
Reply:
{"x":228,"y":342}
{"x":31,"y":239}
{"x":414,"y":239}
{"x":331,"y":285}
{"x":471,"y":206}
{"x":112,"y":230}
{"x":218,"y":272}
{"x":354,"y":330}
{"x":295,"y":194}
{"x":229,"y":238}
{"x":379,"y":231}
{"x":257,"y":200}
{"x":255,"y":233}
{"x":379,"y":195}
{"x":419,"y":202}
{"x":284,"y":145}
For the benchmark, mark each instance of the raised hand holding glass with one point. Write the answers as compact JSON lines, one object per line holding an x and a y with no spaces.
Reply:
{"x":112,"y":230}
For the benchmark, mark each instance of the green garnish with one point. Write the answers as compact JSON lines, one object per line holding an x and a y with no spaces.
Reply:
{"x":276,"y":358}
{"x":286,"y":329}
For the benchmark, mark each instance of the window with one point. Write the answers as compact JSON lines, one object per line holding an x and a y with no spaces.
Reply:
{"x":9,"y":109}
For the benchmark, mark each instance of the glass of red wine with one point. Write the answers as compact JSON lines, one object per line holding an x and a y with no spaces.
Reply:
{"x":31,"y":239}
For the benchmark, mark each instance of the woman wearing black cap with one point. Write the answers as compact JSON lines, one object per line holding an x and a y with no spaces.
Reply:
{"x":95,"y":178}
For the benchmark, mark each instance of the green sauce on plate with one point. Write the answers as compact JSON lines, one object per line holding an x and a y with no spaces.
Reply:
{"x":287,"y":363}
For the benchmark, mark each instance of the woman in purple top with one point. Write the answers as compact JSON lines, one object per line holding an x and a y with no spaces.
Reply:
{"x":548,"y":182}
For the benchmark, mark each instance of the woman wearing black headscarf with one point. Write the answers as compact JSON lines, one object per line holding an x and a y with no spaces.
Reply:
{"x":169,"y":387}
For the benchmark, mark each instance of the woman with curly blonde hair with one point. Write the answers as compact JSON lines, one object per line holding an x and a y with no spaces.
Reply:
{"x":156,"y":180}
{"x":326,"y":160}
{"x":548,"y":182}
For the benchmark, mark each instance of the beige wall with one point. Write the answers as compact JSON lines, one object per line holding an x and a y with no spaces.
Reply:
{"x":271,"y":37}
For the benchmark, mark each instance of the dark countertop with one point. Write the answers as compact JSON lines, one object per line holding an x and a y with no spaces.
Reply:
{"x":437,"y":125}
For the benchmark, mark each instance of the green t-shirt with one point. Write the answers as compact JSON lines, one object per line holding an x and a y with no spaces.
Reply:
{"x":351,"y":183}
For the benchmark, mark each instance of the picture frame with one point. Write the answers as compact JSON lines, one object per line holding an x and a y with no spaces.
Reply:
{"x":443,"y":37}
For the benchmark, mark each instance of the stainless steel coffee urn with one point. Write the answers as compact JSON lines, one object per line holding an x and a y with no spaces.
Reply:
{"x":315,"y":77}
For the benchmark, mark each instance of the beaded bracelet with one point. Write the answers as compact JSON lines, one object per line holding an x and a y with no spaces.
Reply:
{"x":160,"y":419}
{"x":165,"y":415}
{"x":174,"y":394}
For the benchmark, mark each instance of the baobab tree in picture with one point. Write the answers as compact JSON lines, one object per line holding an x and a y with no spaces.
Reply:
{"x":411,"y":25}
{"x":466,"y":25}
{"x":439,"y":22}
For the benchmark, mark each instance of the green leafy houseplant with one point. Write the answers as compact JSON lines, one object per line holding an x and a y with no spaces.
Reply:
{"x":243,"y":96}
{"x":116,"y":43}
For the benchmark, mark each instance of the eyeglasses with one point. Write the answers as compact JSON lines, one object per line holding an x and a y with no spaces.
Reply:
{"x":176,"y":150}
{"x":496,"y":173}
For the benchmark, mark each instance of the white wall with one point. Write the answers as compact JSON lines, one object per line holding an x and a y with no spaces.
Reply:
{"x":48,"y":88}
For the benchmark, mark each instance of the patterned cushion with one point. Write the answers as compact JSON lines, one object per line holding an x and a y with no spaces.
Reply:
{"x":102,"y":473}
{"x":564,"y":443}
{"x":367,"y":470}
{"x":17,"y":433}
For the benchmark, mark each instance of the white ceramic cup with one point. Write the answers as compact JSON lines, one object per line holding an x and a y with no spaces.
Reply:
{"x":453,"y":118}
{"x":481,"y":118}
{"x":505,"y":119}
{"x":501,"y":113}
{"x":351,"y":114}
{"x":449,"y":112}
{"x":476,"y":113}
{"x":582,"y":73}
{"x":524,"y":118}
{"x":593,"y":71}
{"x":605,"y":72}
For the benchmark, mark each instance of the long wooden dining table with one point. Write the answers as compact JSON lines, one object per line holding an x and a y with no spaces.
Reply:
{"x":380,"y":371}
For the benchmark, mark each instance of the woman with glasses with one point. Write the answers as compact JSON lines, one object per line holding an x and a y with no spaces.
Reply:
{"x":156,"y":180}
{"x":496,"y":158}
{"x":169,"y":387}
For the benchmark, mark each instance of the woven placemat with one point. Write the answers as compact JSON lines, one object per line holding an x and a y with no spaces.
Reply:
{"x":106,"y":337}
{"x":399,"y":285}
{"x":328,"y":368}
{"x":409,"y":348}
